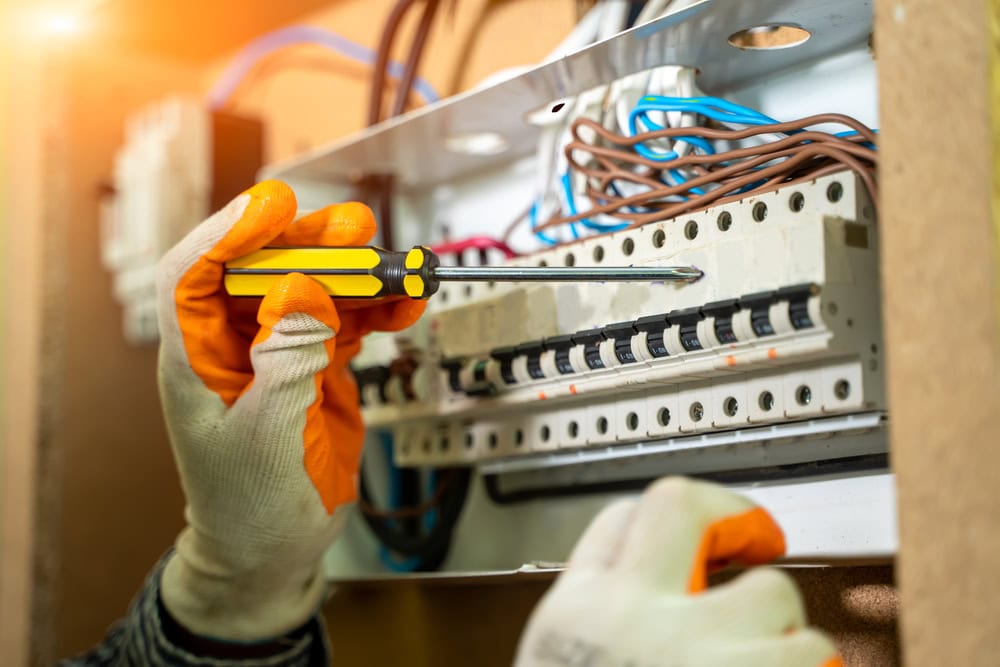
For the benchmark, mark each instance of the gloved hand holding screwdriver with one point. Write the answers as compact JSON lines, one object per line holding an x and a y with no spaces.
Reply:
{"x":263,"y":416}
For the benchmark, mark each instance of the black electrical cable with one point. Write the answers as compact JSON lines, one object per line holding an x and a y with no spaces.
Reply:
{"x":413,"y":58}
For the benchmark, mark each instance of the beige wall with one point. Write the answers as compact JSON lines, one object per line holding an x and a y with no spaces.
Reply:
{"x":320,"y":96}
{"x":21,"y":118}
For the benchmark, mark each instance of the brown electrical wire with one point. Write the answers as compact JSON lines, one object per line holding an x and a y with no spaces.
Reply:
{"x":413,"y":58}
{"x":382,"y":55}
{"x":801,"y":156}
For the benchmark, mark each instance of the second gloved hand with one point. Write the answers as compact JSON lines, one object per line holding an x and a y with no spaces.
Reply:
{"x":263,"y":416}
{"x":633,"y":590}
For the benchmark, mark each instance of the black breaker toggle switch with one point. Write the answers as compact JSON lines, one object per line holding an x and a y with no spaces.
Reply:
{"x":533,"y":351}
{"x":591,"y":341}
{"x":654,"y":326}
{"x":798,"y":303}
{"x":687,"y":320}
{"x":759,"y":306}
{"x":723,"y":312}
{"x":561,"y":345}
{"x":454,"y":368}
{"x":505,"y":355}
{"x":622,"y":333}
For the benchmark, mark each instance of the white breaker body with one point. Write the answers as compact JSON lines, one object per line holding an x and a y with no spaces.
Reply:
{"x":784,"y":327}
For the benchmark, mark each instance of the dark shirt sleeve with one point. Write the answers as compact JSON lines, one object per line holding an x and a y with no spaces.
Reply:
{"x":149,"y":637}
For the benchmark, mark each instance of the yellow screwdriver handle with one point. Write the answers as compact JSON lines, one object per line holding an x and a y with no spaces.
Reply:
{"x":365,"y":272}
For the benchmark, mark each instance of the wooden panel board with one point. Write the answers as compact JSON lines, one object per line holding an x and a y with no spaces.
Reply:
{"x":941,"y":300}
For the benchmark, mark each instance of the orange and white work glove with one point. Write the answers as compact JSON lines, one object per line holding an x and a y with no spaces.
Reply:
{"x":633,"y":592}
{"x":263,"y":416}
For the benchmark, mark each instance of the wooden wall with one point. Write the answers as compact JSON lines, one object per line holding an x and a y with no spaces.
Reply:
{"x":941,"y":257}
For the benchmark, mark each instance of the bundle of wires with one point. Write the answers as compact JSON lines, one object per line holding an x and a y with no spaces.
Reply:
{"x":658,"y":172}
{"x":558,"y":189}
{"x":415,"y":537}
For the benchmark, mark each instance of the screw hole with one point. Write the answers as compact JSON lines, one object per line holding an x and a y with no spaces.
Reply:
{"x":518,"y":437}
{"x":598,"y":253}
{"x":492,"y":441}
{"x":542,"y":262}
{"x":570,"y":259}
{"x":759,"y":211}
{"x":602,"y":425}
{"x":468,"y":290}
{"x":427,"y":446}
{"x":628,"y":246}
{"x":769,"y":36}
{"x":545,"y":433}
{"x":659,"y":238}
{"x":766,"y":401}
{"x":874,"y":348}
{"x":832,"y":308}
{"x":731,"y":406}
{"x":850,"y":322}
{"x":691,"y":230}
{"x":697,"y":411}
{"x":842,"y":389}
{"x":491,"y":285}
{"x":803,"y":395}
{"x":663,"y":416}
{"x":443,"y":296}
{"x":835,"y":192}
{"x":796,"y":202}
{"x":445,"y":444}
{"x":724,"y":221}
{"x":632,"y":421}
{"x":574,"y":429}
{"x":468,"y":441}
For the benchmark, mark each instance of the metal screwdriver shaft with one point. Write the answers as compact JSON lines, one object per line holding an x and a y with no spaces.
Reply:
{"x":565,"y":273}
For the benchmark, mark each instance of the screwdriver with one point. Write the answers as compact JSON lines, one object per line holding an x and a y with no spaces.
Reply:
{"x":369,"y":272}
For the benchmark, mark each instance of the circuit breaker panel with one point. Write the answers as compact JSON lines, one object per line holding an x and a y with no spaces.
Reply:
{"x":766,"y":374}
{"x":785,"y":326}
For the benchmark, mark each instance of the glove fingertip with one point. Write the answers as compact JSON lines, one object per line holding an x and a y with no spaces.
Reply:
{"x":270,"y":209}
{"x":750,"y":538}
{"x":297,"y":293}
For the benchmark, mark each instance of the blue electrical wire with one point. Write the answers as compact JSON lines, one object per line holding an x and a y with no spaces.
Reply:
{"x":533,"y":221}
{"x":389,"y":561}
{"x":586,"y":222}
{"x":253,"y":52}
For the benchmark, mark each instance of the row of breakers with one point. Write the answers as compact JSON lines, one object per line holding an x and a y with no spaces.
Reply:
{"x":723,"y":335}
{"x":716,"y":325}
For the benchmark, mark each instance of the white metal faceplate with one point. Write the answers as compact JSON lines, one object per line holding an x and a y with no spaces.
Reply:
{"x":415,"y":146}
{"x":824,"y":517}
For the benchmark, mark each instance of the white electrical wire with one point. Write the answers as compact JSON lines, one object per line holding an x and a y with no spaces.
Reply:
{"x":610,"y":105}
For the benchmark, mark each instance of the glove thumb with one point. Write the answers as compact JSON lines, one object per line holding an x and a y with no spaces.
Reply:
{"x":295,"y":342}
